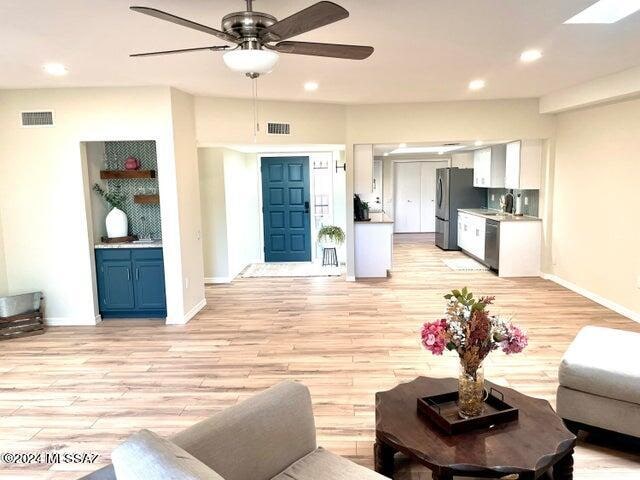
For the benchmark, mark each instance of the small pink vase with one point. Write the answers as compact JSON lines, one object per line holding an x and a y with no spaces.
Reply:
{"x":132,"y":163}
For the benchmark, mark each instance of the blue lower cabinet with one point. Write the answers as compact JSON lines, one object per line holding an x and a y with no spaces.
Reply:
{"x":131,"y":282}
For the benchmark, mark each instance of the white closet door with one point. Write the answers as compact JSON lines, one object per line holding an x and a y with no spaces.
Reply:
{"x":407,"y":195}
{"x":428,"y":195}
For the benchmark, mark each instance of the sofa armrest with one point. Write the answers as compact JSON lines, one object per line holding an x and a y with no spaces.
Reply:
{"x":105,"y":473}
{"x":257,"y":438}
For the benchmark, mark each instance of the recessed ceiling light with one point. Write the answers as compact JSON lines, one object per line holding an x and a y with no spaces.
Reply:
{"x":56,"y":69}
{"x":606,"y":11}
{"x":478,"y":143}
{"x":385,"y":154}
{"x":311,"y":86}
{"x":476,"y":84}
{"x":402,"y":145}
{"x":439,"y":149}
{"x":530,"y":55}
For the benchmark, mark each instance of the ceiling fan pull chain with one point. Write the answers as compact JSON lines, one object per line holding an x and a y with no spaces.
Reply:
{"x":256,"y":124}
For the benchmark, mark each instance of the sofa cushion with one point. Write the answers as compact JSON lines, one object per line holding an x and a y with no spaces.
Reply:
{"x":146,"y":456}
{"x":324,"y":465}
{"x":603,"y":361}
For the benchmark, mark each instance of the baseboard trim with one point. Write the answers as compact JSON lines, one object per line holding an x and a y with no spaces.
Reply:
{"x":190,"y":314}
{"x":215,"y":280}
{"x":72,"y":322}
{"x":351,"y":278}
{"x":624,"y":311}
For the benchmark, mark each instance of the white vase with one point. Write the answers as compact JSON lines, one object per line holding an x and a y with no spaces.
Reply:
{"x":117,"y":225}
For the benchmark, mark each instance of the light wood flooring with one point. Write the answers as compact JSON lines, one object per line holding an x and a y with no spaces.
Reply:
{"x":87,"y":388}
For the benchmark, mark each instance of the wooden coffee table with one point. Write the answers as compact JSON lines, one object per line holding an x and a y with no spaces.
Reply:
{"x":534,"y":446}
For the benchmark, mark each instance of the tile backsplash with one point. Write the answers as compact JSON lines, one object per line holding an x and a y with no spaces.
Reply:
{"x":144,"y":220}
{"x":532,"y":196}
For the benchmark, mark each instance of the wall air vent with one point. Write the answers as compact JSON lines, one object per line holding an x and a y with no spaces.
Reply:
{"x":274,"y":128}
{"x":37,"y":119}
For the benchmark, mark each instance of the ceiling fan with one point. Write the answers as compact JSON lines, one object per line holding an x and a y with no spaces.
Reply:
{"x":259,"y":37}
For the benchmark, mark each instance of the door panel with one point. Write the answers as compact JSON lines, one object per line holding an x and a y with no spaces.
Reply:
{"x":428,"y":193}
{"x":116,"y":286}
{"x":285,"y":199}
{"x":407,"y":194}
{"x":149,"y":284}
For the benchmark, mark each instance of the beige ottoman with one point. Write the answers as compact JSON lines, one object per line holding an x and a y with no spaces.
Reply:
{"x":600,"y":381}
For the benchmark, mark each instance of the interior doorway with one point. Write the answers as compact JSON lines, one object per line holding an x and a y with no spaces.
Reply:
{"x":415,"y":195}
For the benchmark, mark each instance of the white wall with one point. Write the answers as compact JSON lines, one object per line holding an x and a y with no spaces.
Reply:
{"x":596,"y":220}
{"x":99,"y":208}
{"x":214,"y":215}
{"x":44,"y":187}
{"x":229,"y":183}
{"x":230,"y":121}
{"x":242,"y":200}
{"x":4,"y":287}
{"x":188,"y":202}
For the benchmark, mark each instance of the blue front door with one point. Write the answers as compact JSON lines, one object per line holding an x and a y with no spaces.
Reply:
{"x":285,"y":199}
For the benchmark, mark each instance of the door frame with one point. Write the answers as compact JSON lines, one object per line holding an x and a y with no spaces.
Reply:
{"x":394,"y":161}
{"x":312,"y":229}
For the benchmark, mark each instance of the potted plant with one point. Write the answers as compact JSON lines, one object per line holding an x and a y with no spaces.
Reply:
{"x":365,"y":210}
{"x":116,"y":221}
{"x":330,"y":236}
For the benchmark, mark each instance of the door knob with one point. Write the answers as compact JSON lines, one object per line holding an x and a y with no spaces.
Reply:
{"x":306,"y":207}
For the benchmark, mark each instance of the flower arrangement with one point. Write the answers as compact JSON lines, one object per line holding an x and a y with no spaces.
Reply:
{"x":473,"y":333}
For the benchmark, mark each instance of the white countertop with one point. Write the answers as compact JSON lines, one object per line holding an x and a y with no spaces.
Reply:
{"x":154,"y":244}
{"x":498,"y":216}
{"x":376,"y":217}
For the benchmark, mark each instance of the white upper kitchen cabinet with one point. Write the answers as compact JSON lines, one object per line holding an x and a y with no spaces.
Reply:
{"x":523,"y":165}
{"x":489,"y":167}
{"x":363,"y":168}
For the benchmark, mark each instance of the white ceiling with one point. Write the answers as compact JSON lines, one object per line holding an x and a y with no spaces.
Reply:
{"x":426,"y":50}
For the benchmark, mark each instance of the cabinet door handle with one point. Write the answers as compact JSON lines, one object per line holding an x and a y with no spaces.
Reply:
{"x":477,"y":232}
{"x":128,"y":275}
{"x":137,"y":273}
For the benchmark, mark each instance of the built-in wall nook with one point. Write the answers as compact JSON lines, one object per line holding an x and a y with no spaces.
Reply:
{"x":126,"y":228}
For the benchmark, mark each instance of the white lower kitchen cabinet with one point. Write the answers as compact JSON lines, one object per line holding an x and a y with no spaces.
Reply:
{"x":519,"y":244}
{"x":520,"y":249}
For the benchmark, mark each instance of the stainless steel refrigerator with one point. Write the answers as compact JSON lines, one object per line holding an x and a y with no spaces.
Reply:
{"x":454,"y":190}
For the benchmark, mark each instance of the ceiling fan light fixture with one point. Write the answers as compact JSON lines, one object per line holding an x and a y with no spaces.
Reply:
{"x":251,"y":61}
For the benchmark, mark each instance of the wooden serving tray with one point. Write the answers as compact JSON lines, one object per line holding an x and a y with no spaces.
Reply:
{"x":128,"y":239}
{"x":442,"y":410}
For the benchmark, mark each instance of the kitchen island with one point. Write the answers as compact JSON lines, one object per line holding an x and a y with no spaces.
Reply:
{"x":508,"y":244}
{"x":374,"y":246}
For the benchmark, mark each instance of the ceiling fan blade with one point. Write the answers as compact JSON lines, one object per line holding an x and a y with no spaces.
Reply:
{"x":184,"y":22}
{"x":335,"y":50}
{"x":182,"y":50}
{"x":315,"y":16}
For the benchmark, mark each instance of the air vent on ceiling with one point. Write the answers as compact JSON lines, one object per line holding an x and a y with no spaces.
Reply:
{"x":37,"y":119}
{"x":274,"y":128}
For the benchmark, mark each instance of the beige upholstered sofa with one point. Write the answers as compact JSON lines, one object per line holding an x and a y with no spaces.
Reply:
{"x":270,"y":436}
{"x":600,"y":381}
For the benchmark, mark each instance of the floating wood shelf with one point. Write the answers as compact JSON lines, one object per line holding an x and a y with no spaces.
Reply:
{"x":147,"y":199}
{"x":125,"y":174}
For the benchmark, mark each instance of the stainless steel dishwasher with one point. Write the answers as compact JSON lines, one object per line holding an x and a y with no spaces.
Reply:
{"x":492,"y":245}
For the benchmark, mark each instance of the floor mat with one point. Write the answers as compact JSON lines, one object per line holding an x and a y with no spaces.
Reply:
{"x":464,"y":264}
{"x":291,"y":269}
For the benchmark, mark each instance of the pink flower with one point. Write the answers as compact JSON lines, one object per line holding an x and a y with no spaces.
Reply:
{"x":516,"y":340}
{"x":434,"y":336}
